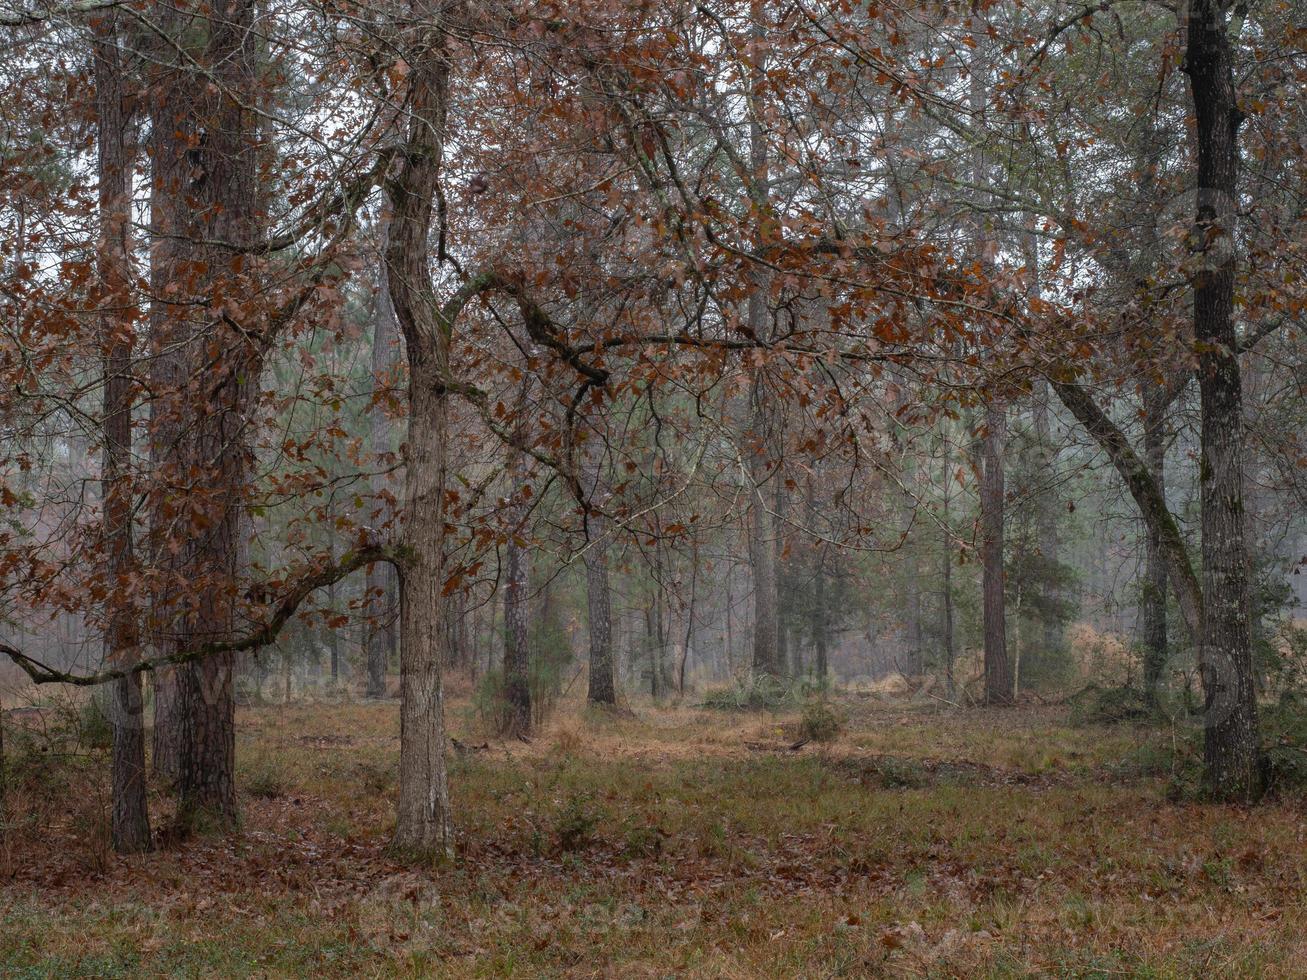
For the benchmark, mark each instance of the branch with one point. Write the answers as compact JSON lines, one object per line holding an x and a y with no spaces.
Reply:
{"x":18,"y":17}
{"x":41,"y":673}
{"x":1143,"y":487}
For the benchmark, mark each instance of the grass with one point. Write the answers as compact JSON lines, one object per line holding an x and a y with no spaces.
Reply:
{"x":686,"y":842}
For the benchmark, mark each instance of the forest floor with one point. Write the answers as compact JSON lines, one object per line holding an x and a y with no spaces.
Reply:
{"x":677,"y":841}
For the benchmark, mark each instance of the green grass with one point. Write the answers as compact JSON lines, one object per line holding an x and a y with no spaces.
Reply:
{"x":691,"y":843}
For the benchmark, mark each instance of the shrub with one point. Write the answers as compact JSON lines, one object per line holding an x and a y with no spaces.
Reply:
{"x":1111,"y":705}
{"x":894,"y":773}
{"x":265,"y":782}
{"x":820,"y":721}
{"x":575,"y":824}
{"x":94,"y":732}
{"x":1284,"y":732}
{"x":764,"y":693}
{"x":643,"y":840}
{"x":375,"y":778}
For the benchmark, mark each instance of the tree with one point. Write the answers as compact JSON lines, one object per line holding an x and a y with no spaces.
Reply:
{"x":423,"y":821}
{"x":380,"y":638}
{"x":130,"y":831}
{"x":603,"y":682}
{"x":1231,"y":752}
{"x":517,"y":607}
{"x":998,"y":674}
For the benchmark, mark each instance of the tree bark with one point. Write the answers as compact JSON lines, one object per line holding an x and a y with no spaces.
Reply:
{"x":1147,"y":496}
{"x":1153,"y":601}
{"x":1231,"y":751}
{"x":1046,"y":533}
{"x":130,"y":822}
{"x":946,"y":580}
{"x":167,"y":377}
{"x":381,"y":577}
{"x":761,"y":527}
{"x":224,"y":181}
{"x":423,"y":824}
{"x":423,"y":820}
{"x":762,"y":556}
{"x":603,"y":687}
{"x":998,"y":674}
{"x":517,"y":641}
{"x":205,"y":191}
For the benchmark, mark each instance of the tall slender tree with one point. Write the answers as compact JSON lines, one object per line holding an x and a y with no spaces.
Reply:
{"x":130,"y":825}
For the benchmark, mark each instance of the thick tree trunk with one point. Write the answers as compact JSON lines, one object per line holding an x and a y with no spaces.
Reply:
{"x":423,"y":824}
{"x":130,"y":822}
{"x":998,"y":674}
{"x":167,"y":378}
{"x":204,"y":191}
{"x":423,"y":820}
{"x":224,"y":182}
{"x":1231,"y":749}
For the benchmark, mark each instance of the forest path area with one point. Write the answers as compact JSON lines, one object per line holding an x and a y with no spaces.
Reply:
{"x":676,"y":840}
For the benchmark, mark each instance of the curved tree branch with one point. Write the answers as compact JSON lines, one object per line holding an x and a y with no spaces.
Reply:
{"x":42,"y":673}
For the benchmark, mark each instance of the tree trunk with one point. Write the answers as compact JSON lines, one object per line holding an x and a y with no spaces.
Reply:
{"x":656,"y":636}
{"x":224,"y":182}
{"x":517,"y":649}
{"x":423,"y":824}
{"x":516,"y":720}
{"x":690,"y":611}
{"x":946,"y":579}
{"x":423,"y":819}
{"x":603,"y":688}
{"x":1231,"y":750}
{"x":205,"y":191}
{"x":998,"y":676}
{"x":130,"y":823}
{"x":762,"y":556}
{"x":381,"y":578}
{"x":761,"y":530}
{"x":167,"y":376}
{"x":728,"y":642}
{"x":1153,"y":600}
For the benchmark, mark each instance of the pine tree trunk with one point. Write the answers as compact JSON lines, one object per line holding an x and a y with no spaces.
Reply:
{"x":1231,"y":749}
{"x":517,"y":650}
{"x":130,"y":822}
{"x":205,"y":191}
{"x":224,"y":182}
{"x":762,"y":556}
{"x":998,"y":676}
{"x":603,"y":688}
{"x":761,"y":530}
{"x":167,"y":378}
{"x":946,"y":579}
